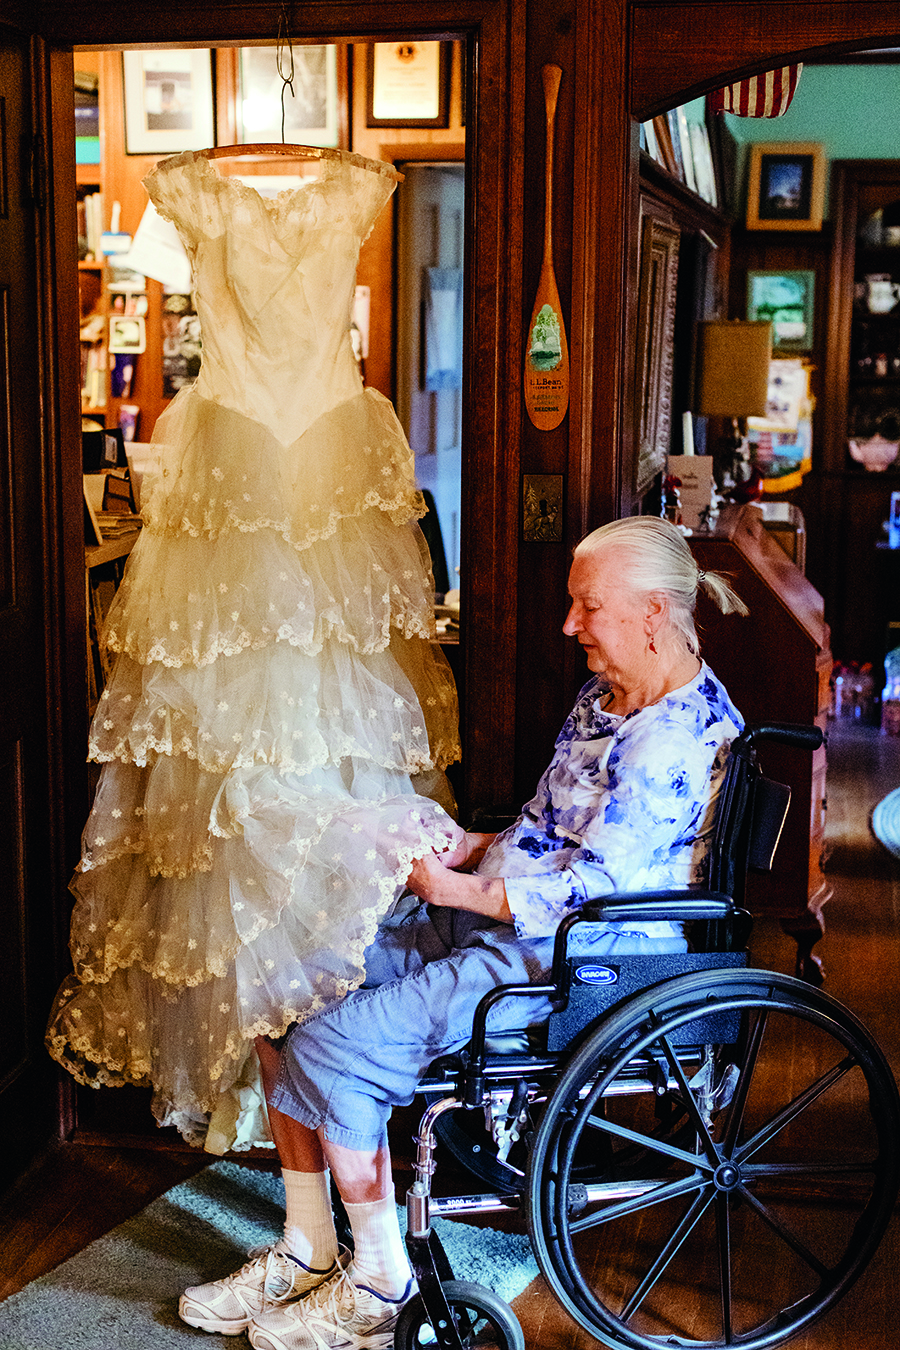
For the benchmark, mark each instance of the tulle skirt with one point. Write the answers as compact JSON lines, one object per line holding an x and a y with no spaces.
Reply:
{"x":273,"y":738}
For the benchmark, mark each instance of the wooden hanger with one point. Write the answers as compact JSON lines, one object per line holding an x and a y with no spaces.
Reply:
{"x":275,"y":148}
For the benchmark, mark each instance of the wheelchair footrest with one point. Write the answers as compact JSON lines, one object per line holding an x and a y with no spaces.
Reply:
{"x":596,"y":985}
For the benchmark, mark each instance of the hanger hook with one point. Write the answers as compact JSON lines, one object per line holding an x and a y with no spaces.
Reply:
{"x":284,"y":38}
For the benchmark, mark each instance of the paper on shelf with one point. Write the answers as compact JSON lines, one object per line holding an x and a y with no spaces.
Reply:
{"x":695,"y":475}
{"x":158,"y":252}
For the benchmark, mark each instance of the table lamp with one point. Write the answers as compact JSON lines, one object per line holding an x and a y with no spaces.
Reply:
{"x":732,"y":380}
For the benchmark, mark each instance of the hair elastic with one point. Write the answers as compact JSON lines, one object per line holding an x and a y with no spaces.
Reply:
{"x":701,"y":576}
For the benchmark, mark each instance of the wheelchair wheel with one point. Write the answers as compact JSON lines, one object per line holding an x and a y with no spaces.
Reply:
{"x":753,"y":1222}
{"x":482,"y":1319}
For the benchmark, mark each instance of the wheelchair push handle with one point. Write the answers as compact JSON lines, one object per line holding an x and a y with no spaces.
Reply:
{"x":782,"y":733}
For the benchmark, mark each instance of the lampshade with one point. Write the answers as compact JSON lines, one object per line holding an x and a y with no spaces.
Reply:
{"x":732,"y":370}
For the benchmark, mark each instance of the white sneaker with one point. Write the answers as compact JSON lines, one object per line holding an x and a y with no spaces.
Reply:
{"x":339,"y":1315}
{"x":270,"y":1278}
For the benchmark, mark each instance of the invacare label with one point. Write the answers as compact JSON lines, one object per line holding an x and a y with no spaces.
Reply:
{"x":596,"y":975}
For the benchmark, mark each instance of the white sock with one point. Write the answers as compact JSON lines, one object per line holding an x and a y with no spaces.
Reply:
{"x":379,"y":1256}
{"x":309,"y":1222}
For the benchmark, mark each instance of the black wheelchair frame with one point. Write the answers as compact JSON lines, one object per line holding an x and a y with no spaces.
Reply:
{"x":655,"y":1142}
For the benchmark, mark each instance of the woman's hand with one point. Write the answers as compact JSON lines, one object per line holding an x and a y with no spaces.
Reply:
{"x":468,"y":851}
{"x":437,"y":881}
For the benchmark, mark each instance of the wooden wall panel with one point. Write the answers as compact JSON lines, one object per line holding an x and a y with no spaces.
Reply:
{"x":6,"y":477}
{"x":14,"y":1044}
{"x":680,"y":50}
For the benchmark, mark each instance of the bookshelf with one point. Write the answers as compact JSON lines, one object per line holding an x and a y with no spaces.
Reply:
{"x":94,"y":328}
{"x":89,"y":216}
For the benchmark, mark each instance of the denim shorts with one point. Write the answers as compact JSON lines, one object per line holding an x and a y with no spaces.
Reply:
{"x":345,"y":1068}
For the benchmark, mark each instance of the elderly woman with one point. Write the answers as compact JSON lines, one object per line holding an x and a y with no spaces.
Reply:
{"x":626,"y":803}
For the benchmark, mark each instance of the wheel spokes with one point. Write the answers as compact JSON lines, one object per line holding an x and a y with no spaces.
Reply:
{"x":685,"y":1227}
{"x":651,"y":1143}
{"x":762,"y":1152}
{"x":657,"y":1195}
{"x":742,"y":1089}
{"x":690,"y":1104}
{"x":794,"y":1108}
{"x":723,"y":1244}
{"x":786,"y":1234}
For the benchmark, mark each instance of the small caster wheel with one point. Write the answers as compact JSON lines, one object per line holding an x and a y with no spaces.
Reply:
{"x":480,"y":1316}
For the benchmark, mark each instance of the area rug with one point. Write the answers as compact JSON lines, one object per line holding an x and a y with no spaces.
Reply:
{"x":886,"y":822}
{"x":121,"y":1292}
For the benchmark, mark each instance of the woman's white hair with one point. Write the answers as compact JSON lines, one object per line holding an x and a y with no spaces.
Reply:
{"x":659,"y":561}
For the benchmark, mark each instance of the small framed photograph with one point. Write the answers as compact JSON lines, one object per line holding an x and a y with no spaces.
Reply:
{"x":127,"y":333}
{"x":666,"y":154}
{"x":168,"y":101}
{"x":312,"y":99}
{"x":687,"y":155}
{"x":408,"y":84}
{"x":786,"y":187}
{"x":704,"y":169}
{"x":784,"y":299}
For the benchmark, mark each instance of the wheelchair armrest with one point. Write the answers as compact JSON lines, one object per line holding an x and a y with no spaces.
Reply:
{"x":473,"y":1089}
{"x":680,"y":906}
{"x":673,"y":906}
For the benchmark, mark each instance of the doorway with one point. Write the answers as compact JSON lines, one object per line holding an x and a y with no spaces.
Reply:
{"x":429,"y":278}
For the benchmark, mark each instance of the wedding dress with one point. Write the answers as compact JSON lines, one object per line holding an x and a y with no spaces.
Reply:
{"x":276,"y":725}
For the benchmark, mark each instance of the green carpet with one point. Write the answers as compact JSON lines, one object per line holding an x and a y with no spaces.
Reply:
{"x":121,"y":1292}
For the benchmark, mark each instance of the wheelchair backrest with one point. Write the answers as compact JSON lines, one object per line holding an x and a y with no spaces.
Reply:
{"x":751,"y":809}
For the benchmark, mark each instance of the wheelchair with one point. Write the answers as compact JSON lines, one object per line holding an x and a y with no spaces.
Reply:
{"x":677,"y":1120}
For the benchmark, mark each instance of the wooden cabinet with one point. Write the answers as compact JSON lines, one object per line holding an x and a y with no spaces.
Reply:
{"x":776,"y":664}
{"x":865,"y":337}
{"x":861,"y":398}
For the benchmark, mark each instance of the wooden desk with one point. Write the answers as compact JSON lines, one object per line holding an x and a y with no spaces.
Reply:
{"x":776,"y":664}
{"x":97,"y":554}
{"x":103,"y":564}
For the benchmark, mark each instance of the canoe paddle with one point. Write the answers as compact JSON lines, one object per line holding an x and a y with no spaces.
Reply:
{"x":547,"y":353}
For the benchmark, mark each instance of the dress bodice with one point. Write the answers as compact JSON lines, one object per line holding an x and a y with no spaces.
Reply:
{"x":274,"y":281}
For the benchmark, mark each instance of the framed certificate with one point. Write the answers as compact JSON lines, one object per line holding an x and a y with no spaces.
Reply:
{"x":408,"y":84}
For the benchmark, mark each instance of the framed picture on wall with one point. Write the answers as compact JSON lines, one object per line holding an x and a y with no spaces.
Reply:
{"x":310,"y":100}
{"x":408,"y":84}
{"x":655,"y":349}
{"x":127,"y":334}
{"x":786,"y":186}
{"x":784,"y":299}
{"x":704,"y":169}
{"x":168,"y":101}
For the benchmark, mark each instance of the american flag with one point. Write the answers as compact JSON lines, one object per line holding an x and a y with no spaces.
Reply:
{"x":767,"y":95}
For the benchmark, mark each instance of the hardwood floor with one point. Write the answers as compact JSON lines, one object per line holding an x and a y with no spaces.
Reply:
{"x":81,"y":1190}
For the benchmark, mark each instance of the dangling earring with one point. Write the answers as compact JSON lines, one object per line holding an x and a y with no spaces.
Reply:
{"x":652,"y":645}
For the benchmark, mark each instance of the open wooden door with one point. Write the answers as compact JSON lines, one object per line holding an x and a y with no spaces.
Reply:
{"x":29,"y":749}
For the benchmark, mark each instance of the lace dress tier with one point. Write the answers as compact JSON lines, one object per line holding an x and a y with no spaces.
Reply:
{"x":277,"y":723}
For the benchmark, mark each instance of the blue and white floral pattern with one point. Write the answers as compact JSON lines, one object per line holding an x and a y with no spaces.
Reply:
{"x":626,"y":804}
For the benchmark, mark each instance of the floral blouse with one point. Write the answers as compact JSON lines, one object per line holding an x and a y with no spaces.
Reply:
{"x":626,"y":804}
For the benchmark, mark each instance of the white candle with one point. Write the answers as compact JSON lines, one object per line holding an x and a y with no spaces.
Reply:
{"x":687,"y":433}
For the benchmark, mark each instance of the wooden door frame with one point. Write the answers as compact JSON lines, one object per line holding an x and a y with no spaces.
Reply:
{"x":679,"y":49}
{"x":494,"y":226}
{"x":514,"y":703}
